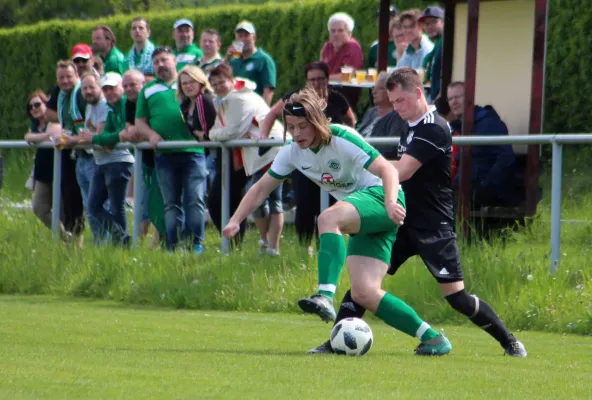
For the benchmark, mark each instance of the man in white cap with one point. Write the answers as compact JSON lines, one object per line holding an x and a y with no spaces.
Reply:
{"x":114,"y":166}
{"x":432,"y":19}
{"x":185,"y":50}
{"x":253,"y":63}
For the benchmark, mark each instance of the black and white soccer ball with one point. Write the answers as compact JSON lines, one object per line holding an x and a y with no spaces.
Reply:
{"x":352,"y":337}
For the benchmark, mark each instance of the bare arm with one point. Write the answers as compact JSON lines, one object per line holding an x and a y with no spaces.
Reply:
{"x":51,"y":129}
{"x":253,"y":199}
{"x":268,"y":95}
{"x":407,"y":166}
{"x":274,"y":114}
{"x":144,"y":130}
{"x":390,"y":178}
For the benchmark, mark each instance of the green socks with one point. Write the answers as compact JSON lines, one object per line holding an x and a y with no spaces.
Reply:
{"x":332,"y":254}
{"x":396,"y":313}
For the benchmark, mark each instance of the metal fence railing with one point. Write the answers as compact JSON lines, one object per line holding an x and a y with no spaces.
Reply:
{"x":555,"y":140}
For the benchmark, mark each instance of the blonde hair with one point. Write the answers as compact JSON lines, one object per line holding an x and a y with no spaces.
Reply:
{"x":195,"y":73}
{"x":314,"y":107}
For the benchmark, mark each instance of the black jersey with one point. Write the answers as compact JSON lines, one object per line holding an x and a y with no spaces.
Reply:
{"x":428,"y":193}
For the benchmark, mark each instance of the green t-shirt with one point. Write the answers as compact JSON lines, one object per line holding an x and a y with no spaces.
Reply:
{"x":114,"y":61}
{"x":157,"y":104}
{"x":259,"y":68}
{"x":189,"y":55}
{"x":372,"y":60}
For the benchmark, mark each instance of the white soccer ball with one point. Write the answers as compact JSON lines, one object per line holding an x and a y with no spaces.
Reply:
{"x":352,"y":337}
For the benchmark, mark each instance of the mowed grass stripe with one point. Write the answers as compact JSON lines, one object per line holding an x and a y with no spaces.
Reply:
{"x":52,"y":348}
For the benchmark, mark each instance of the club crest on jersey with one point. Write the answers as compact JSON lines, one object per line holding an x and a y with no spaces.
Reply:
{"x":334,"y":164}
{"x":409,"y":137}
{"x":327,"y":178}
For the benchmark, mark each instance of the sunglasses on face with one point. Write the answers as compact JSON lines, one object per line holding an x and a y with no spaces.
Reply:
{"x":37,"y":104}
{"x":162,"y":49}
{"x":80,"y":61}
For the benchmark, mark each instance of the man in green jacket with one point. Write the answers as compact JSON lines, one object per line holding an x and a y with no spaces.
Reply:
{"x":103,"y":44}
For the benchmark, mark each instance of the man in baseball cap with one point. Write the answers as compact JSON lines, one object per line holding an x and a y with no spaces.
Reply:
{"x":245,"y":26}
{"x":81,"y":55}
{"x":185,"y":50}
{"x":253,"y":63}
{"x":432,"y":19}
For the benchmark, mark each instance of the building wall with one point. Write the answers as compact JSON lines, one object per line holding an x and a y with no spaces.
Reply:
{"x":504,"y":58}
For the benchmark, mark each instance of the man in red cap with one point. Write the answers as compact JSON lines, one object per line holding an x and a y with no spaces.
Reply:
{"x":81,"y":55}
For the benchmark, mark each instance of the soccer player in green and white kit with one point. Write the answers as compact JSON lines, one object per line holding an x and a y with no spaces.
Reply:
{"x":371,"y":206}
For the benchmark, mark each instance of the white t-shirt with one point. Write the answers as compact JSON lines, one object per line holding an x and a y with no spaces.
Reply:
{"x":96,"y":114}
{"x":340,"y":167}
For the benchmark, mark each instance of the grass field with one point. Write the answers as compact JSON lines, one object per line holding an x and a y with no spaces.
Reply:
{"x":82,"y":349}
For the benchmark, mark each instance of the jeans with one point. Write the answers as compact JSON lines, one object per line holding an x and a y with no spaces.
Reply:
{"x":211,"y":165}
{"x":85,"y":169}
{"x":109,"y":183}
{"x":182,"y":178}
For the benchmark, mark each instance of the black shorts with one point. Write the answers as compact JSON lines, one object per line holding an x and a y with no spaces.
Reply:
{"x":437,"y":249}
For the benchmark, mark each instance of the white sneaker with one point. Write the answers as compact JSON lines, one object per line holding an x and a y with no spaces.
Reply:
{"x":272,"y":252}
{"x":262,"y":246}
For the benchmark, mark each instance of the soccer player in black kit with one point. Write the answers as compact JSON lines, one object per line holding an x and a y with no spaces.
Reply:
{"x":424,"y":162}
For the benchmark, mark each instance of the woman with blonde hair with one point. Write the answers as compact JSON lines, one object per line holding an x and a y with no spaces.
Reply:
{"x":370,"y":208}
{"x":197,"y":102}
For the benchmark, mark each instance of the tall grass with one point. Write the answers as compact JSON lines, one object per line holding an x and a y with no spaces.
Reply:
{"x":511,"y":272}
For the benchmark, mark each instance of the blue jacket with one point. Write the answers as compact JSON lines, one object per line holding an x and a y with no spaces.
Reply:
{"x":492,"y":167}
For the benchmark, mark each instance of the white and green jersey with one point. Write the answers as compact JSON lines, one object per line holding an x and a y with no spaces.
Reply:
{"x":339,"y":167}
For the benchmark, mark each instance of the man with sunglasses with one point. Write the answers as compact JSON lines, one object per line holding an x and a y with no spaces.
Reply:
{"x":181,"y":172}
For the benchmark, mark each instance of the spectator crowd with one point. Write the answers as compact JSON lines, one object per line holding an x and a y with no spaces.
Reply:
{"x":197,"y":92}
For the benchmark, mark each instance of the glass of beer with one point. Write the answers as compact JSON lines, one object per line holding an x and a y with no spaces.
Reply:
{"x":372,"y":72}
{"x":238,"y":48}
{"x":361,"y":75}
{"x":346,"y":74}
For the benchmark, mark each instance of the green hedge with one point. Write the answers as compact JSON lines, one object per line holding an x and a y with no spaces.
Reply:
{"x":293,"y":33}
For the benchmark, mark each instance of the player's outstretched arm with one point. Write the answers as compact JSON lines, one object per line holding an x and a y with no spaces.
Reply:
{"x":255,"y":196}
{"x":390,"y":181}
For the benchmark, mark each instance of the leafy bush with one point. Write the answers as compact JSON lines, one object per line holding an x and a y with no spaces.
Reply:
{"x":293,"y":33}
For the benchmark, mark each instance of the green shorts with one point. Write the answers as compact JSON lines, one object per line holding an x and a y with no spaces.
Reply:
{"x":377,"y":231}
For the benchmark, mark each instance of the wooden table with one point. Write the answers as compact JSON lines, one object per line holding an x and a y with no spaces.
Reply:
{"x":363,"y":85}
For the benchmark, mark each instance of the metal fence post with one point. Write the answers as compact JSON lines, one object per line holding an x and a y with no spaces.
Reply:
{"x":225,"y":152}
{"x":138,"y":197}
{"x":56,"y":196}
{"x":556,"y":205}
